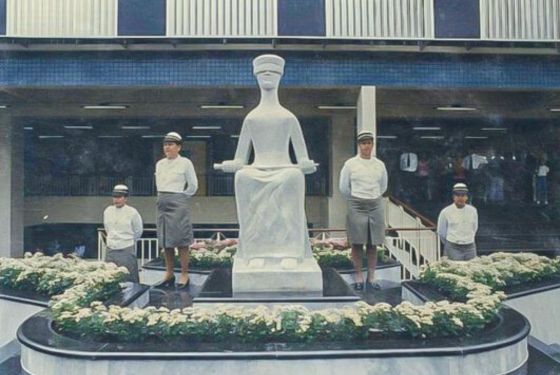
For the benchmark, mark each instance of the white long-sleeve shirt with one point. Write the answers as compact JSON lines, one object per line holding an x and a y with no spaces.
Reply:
{"x":474,"y":161}
{"x":363,"y":178}
{"x":122,"y":225}
{"x":458,"y":225}
{"x":172,"y":175}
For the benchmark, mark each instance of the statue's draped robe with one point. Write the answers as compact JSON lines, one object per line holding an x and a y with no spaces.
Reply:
{"x":271,"y":213}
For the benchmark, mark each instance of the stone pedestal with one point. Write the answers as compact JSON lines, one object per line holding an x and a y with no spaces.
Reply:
{"x":272,"y":277}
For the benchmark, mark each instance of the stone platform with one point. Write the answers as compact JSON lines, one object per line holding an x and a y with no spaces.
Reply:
{"x":154,"y":271}
{"x":218,"y":289}
{"x":271,"y":277}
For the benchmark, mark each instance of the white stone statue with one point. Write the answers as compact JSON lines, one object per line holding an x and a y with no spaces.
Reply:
{"x":270,"y":195}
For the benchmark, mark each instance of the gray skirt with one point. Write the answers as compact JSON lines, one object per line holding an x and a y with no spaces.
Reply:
{"x":125,"y":258}
{"x":456,"y":251}
{"x":174,"y":228}
{"x":365,"y":221}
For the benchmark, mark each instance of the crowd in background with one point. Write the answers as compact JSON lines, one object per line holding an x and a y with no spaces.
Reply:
{"x":492,"y":178}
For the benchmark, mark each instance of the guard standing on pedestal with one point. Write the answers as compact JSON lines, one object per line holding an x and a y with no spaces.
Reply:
{"x":123,"y":225}
{"x":174,"y":227}
{"x":457,"y":226}
{"x":363,"y":180}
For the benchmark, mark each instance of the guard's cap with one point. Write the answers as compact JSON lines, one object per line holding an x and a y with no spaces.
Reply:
{"x":120,"y":191}
{"x":173,"y":137}
{"x":268,"y":62}
{"x":365,"y":134}
{"x":460,"y":188}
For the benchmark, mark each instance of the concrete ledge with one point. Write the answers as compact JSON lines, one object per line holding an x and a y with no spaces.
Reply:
{"x":12,"y":314}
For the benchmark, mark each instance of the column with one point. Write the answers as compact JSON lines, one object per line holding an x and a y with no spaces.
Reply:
{"x":11,"y":188}
{"x":343,"y":140}
{"x":366,"y":108}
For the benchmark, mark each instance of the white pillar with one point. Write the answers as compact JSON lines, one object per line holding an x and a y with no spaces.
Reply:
{"x":341,"y":149}
{"x":366,"y":111}
{"x":11,"y":188}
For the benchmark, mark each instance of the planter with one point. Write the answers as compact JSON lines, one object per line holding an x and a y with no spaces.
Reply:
{"x":15,"y":308}
{"x":499,"y":349}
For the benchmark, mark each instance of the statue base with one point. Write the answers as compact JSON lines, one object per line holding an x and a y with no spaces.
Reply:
{"x":277,"y":276}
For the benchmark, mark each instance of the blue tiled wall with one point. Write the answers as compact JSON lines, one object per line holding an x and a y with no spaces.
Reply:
{"x":141,"y":17}
{"x":3,"y":17}
{"x":457,"y":18}
{"x":301,"y":18}
{"x":302,"y":69}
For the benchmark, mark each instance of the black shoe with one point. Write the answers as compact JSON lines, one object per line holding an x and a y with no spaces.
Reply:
{"x":358,"y":286}
{"x":185,"y":285}
{"x":166,"y":282}
{"x":372,"y":285}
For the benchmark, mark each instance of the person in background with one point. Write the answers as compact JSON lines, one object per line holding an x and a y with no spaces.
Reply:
{"x":79,"y":250}
{"x":363,"y":180}
{"x":457,"y":226}
{"x":123,"y":225}
{"x":176,"y":182}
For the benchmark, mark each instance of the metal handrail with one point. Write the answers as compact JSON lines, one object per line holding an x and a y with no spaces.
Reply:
{"x":411,"y":249}
{"x":153,"y":230}
{"x":413,"y":212}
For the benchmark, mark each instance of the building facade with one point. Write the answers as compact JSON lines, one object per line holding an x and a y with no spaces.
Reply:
{"x":89,"y":87}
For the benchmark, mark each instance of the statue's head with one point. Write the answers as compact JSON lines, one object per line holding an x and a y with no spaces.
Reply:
{"x":268,"y":69}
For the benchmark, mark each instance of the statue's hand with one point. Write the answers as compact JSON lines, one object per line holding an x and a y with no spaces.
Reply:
{"x":307,"y":166}
{"x":231,"y":166}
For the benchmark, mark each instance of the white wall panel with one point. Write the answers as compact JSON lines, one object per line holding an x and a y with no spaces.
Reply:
{"x":379,"y":18}
{"x":207,"y":18}
{"x":62,"y":18}
{"x":519,"y":19}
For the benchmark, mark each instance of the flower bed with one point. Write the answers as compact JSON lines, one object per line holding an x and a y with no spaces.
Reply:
{"x":495,"y":272}
{"x":80,"y":311}
{"x":336,"y":253}
{"x":475,"y":286}
{"x":49,"y":276}
{"x":211,"y":254}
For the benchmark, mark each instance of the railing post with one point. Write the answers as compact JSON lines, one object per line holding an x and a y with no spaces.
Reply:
{"x":101,"y":245}
{"x":98,"y":245}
